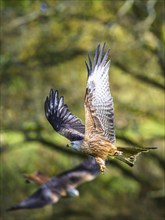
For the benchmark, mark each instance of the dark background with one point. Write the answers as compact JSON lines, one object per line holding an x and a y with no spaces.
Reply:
{"x":45,"y":45}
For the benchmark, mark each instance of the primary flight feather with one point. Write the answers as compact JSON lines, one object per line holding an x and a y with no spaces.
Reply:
{"x":61,"y":119}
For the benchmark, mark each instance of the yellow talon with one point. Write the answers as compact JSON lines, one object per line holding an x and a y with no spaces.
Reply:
{"x":101,"y":163}
{"x":118,"y":153}
{"x":102,"y":168}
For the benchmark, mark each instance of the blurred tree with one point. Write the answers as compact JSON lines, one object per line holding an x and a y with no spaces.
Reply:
{"x":44,"y":45}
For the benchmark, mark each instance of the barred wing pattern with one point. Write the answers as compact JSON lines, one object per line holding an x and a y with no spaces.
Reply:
{"x":61,"y":119}
{"x":98,"y":98}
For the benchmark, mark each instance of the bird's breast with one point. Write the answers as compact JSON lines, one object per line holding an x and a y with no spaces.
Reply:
{"x":97,"y":146}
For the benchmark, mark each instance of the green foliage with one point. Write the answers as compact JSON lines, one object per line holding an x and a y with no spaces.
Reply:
{"x":44,"y":45}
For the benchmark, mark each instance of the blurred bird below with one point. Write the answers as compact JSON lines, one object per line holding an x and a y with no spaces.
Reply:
{"x":62,"y":185}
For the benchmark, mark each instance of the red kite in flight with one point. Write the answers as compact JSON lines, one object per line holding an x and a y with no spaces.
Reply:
{"x":62,"y":185}
{"x":97,"y":137}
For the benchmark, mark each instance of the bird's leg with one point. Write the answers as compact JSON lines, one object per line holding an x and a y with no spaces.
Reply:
{"x":114,"y":151}
{"x":101,"y":163}
{"x":118,"y":153}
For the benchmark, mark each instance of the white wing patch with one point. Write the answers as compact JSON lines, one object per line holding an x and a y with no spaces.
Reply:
{"x":99,"y":92}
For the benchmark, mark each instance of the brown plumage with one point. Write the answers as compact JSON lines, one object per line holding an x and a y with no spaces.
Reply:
{"x":97,"y":137}
{"x":99,"y":111}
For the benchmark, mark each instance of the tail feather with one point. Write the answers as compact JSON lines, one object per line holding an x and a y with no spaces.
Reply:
{"x":130,"y":153}
{"x":37,"y":177}
{"x":126,"y":160}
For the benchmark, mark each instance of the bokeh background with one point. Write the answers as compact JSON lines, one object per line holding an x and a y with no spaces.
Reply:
{"x":45,"y":45}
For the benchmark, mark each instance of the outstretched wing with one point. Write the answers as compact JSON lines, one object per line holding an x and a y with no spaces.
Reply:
{"x":130,"y":153}
{"x":86,"y":171}
{"x":40,"y":198}
{"x":61,"y":119}
{"x":99,"y":109}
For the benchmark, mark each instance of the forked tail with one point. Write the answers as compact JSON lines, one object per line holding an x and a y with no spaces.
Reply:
{"x":130,"y":153}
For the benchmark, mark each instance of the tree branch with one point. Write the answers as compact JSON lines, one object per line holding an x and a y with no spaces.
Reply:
{"x":140,"y":77}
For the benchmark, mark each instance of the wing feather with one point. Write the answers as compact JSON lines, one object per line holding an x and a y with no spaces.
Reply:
{"x":98,"y":100}
{"x":86,"y":171}
{"x":61,"y":119}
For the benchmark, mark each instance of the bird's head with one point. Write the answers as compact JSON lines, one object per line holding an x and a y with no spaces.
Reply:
{"x":76,"y":145}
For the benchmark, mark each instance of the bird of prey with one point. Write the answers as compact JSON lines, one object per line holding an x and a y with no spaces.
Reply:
{"x":62,"y":185}
{"x":97,"y":137}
